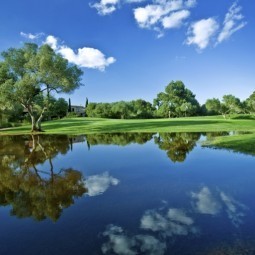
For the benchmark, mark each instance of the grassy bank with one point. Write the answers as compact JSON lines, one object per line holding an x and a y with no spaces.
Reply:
{"x":74,"y":126}
{"x":244,"y":143}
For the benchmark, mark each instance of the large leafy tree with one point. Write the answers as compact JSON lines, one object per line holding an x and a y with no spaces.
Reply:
{"x":176,"y":101}
{"x":31,"y":73}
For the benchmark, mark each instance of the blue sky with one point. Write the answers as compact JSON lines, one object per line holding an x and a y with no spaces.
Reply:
{"x":130,"y":49}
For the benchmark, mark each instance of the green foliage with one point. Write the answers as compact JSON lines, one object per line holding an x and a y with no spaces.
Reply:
{"x":31,"y":72}
{"x":136,"y":109}
{"x":176,"y":101}
{"x":249,"y":104}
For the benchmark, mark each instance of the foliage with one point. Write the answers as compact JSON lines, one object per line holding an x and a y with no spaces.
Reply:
{"x":176,"y":101}
{"x":249,"y":104}
{"x":29,"y":74}
{"x":136,"y":109}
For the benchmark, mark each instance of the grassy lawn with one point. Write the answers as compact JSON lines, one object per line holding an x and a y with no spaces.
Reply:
{"x":244,"y":143}
{"x":74,"y":126}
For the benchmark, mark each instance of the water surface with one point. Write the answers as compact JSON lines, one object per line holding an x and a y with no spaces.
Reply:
{"x":124,"y":194}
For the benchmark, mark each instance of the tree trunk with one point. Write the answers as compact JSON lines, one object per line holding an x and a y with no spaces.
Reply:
{"x":39,"y":121}
{"x":32,"y":116}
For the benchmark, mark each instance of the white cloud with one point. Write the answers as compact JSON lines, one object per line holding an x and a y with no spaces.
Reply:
{"x":98,"y":184}
{"x":175,"y":20}
{"x":105,"y":7}
{"x":163,"y":14}
{"x":84,"y":57}
{"x":232,"y":23}
{"x":31,"y":36}
{"x":52,"y":41}
{"x":205,"y":202}
{"x":122,"y":244}
{"x":201,"y":32}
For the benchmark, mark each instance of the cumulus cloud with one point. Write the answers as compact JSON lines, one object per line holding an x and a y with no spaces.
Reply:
{"x":232,"y":23}
{"x":122,"y":244}
{"x":31,"y":36}
{"x":200,"y":33}
{"x":175,"y":222}
{"x":163,"y":14}
{"x":205,"y":202}
{"x":83,"y":57}
{"x":105,"y":7}
{"x":98,"y":184}
{"x":204,"y":32}
{"x":52,"y":41}
{"x":175,"y":20}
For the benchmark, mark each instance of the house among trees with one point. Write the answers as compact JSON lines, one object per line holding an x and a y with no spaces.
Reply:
{"x":78,"y":109}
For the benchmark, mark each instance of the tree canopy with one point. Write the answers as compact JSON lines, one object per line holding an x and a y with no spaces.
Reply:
{"x":176,"y":101}
{"x":29,"y":74}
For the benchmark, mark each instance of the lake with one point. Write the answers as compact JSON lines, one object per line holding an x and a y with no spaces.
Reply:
{"x":125,"y":194}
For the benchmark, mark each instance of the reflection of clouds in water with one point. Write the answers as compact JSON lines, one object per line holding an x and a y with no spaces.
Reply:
{"x":206,"y":203}
{"x":122,"y":244}
{"x":234,"y":209}
{"x":98,"y":184}
{"x":175,"y":222}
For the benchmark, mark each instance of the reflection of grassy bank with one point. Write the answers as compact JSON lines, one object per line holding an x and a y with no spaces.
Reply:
{"x":92,"y":125}
{"x":244,"y":143}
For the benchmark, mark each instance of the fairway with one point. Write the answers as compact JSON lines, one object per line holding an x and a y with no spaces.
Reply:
{"x":75,"y":126}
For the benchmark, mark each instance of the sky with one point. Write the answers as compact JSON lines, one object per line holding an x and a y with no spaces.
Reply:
{"x":131,"y":49}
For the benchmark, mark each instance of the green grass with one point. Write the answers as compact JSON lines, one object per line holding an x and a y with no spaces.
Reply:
{"x":74,"y":126}
{"x":244,"y":143}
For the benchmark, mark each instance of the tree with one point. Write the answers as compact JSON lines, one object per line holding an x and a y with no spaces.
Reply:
{"x":232,"y":104}
{"x":176,"y":101}
{"x":30,"y":73}
{"x":60,"y":108}
{"x":250,"y":103}
{"x":69,"y":105}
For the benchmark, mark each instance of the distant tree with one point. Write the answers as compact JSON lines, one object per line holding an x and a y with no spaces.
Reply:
{"x":60,"y":108}
{"x":232,"y":104}
{"x":121,"y":110}
{"x":141,"y":109}
{"x":69,"y":105}
{"x":213,"y":106}
{"x":90,"y":109}
{"x":250,"y":104}
{"x":176,"y":101}
{"x":31,"y":72}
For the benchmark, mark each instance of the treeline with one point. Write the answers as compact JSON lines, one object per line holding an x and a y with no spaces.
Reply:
{"x":175,"y":101}
{"x":136,"y":109}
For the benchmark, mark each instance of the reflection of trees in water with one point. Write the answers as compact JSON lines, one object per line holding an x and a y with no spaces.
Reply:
{"x":119,"y":138}
{"x":33,"y":192}
{"x":177,"y":145}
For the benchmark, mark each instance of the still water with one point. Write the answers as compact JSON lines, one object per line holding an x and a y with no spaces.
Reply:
{"x":124,"y":194}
